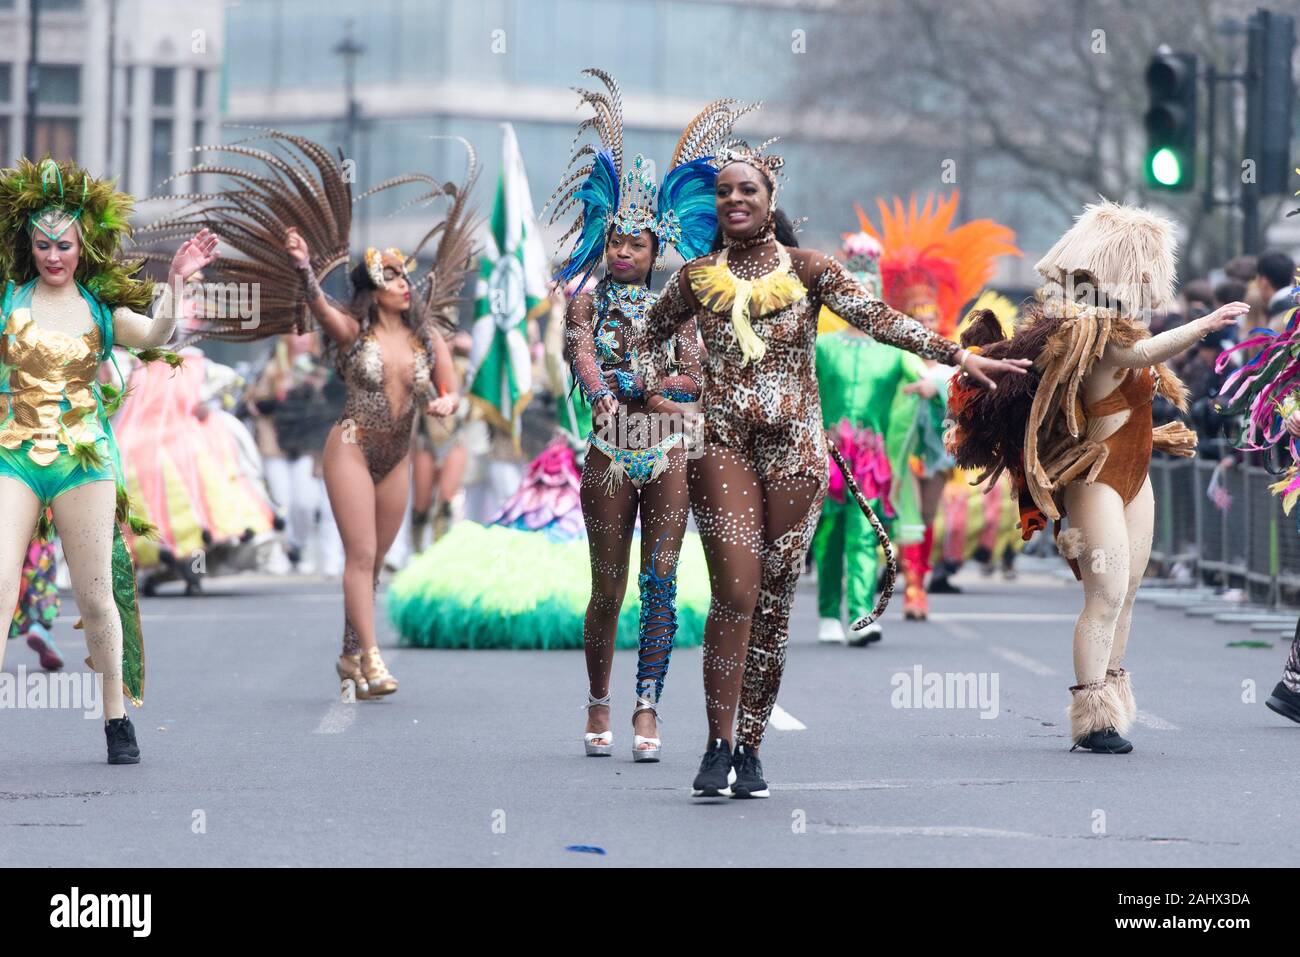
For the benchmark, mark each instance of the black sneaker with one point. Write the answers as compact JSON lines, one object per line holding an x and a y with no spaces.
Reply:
{"x":749,"y":774}
{"x":122,"y":748}
{"x":716,"y":772}
{"x":1104,"y":742}
{"x":1285,"y":702}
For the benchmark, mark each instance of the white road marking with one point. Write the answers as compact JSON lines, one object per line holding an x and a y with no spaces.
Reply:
{"x":1154,"y":722}
{"x":1024,"y":661}
{"x":934,"y":831}
{"x":783,"y":720}
{"x":943,"y":616}
{"x":337,"y":719}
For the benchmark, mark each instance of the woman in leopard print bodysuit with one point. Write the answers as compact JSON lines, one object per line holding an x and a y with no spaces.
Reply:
{"x":757,"y":489}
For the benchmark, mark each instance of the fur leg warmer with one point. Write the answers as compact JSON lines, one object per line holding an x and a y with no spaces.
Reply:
{"x":1095,"y":707}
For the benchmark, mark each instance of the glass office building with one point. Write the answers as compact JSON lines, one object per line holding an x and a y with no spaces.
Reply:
{"x":439,"y":67}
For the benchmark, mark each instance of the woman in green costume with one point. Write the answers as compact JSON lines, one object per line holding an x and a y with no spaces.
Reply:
{"x":67,"y":301}
{"x":868,"y":415}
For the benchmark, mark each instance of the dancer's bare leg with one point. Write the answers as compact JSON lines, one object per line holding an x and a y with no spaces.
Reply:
{"x":85,"y":517}
{"x":352,"y":500}
{"x":19,"y":508}
{"x":609,"y":520}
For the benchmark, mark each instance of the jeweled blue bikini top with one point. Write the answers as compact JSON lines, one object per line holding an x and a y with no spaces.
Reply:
{"x":630,"y":301}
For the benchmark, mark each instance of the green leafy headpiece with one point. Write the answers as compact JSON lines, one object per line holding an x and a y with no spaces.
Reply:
{"x":50,"y":197}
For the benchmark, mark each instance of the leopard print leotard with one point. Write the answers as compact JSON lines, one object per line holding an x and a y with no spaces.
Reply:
{"x":384,"y":438}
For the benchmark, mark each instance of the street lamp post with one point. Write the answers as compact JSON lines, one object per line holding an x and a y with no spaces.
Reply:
{"x":33,"y":78}
{"x":350,"y":49}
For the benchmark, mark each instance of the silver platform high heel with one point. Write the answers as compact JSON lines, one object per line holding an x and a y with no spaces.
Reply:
{"x":590,"y":738}
{"x":651,"y":753}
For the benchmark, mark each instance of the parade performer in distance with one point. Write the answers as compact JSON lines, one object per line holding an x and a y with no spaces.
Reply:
{"x":929,"y":270}
{"x":860,"y":384}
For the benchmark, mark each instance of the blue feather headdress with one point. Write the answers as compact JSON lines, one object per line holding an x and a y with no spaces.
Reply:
{"x":680,"y":211}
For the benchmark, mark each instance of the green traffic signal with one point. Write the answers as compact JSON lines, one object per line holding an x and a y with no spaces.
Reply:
{"x":1166,"y":169}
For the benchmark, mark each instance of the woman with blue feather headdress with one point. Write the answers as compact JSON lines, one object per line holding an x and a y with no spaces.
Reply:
{"x":636,"y":457}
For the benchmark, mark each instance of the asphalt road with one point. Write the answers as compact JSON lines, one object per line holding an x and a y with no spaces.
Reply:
{"x":250,"y":759}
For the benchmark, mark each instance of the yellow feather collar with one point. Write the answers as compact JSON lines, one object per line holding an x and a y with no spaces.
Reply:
{"x":720,"y":290}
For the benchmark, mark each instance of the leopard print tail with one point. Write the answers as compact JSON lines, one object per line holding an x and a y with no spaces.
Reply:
{"x":891,"y":564}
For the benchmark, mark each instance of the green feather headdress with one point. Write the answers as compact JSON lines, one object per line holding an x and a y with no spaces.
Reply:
{"x":51,"y":197}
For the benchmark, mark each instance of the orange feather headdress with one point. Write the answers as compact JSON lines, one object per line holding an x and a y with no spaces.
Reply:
{"x":926,"y":262}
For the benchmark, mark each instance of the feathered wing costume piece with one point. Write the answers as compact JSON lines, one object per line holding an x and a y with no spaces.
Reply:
{"x":1266,"y":390}
{"x":687,"y":213}
{"x":1034,"y":425}
{"x":926,"y":260}
{"x":292,"y":182}
{"x":438,"y":294}
{"x":608,"y":194}
{"x":592,"y":185}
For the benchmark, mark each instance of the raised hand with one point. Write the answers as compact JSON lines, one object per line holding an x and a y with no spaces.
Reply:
{"x":985,"y":370}
{"x":296,"y":247}
{"x":1224,"y":316}
{"x":194,"y":254}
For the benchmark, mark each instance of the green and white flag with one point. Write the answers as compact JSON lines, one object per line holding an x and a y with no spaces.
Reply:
{"x":512,"y":285}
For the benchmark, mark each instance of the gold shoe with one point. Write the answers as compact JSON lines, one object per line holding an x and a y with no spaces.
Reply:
{"x":377,"y":676}
{"x":352,"y":681}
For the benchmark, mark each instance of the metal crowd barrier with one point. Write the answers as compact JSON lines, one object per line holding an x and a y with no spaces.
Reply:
{"x":1243,"y":540}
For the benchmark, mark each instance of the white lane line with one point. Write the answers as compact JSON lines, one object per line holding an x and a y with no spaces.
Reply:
{"x":1024,"y":661}
{"x":1000,"y":616}
{"x":337,"y":719}
{"x":958,"y":630}
{"x":783,"y":720}
{"x":1154,"y":722}
{"x":937,"y":831}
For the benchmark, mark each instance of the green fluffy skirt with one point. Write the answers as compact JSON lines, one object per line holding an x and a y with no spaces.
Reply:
{"x":493,"y":587}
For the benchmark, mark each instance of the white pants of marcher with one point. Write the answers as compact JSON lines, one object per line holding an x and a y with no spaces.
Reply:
{"x":331,"y":542}
{"x":296,"y":491}
{"x":498,"y":481}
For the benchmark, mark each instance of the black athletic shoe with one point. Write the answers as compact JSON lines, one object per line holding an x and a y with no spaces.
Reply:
{"x":1104,"y":742}
{"x":749,"y":774}
{"x":940,"y":585}
{"x":1285,"y":702}
{"x":122,"y":748}
{"x":716,"y":772}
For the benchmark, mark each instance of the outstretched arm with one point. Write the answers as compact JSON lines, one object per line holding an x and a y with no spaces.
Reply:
{"x":846,"y":297}
{"x":146,"y":332}
{"x":338,"y":325}
{"x":1166,"y":345}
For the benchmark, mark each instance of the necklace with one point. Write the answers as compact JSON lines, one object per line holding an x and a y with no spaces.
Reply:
{"x":721,"y":290}
{"x":632,"y":302}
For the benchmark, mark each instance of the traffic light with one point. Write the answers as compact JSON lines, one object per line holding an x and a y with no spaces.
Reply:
{"x":1270,"y":43}
{"x":1171,"y":122}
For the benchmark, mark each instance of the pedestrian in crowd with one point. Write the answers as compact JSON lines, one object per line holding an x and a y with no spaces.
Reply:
{"x":1276,"y":285}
